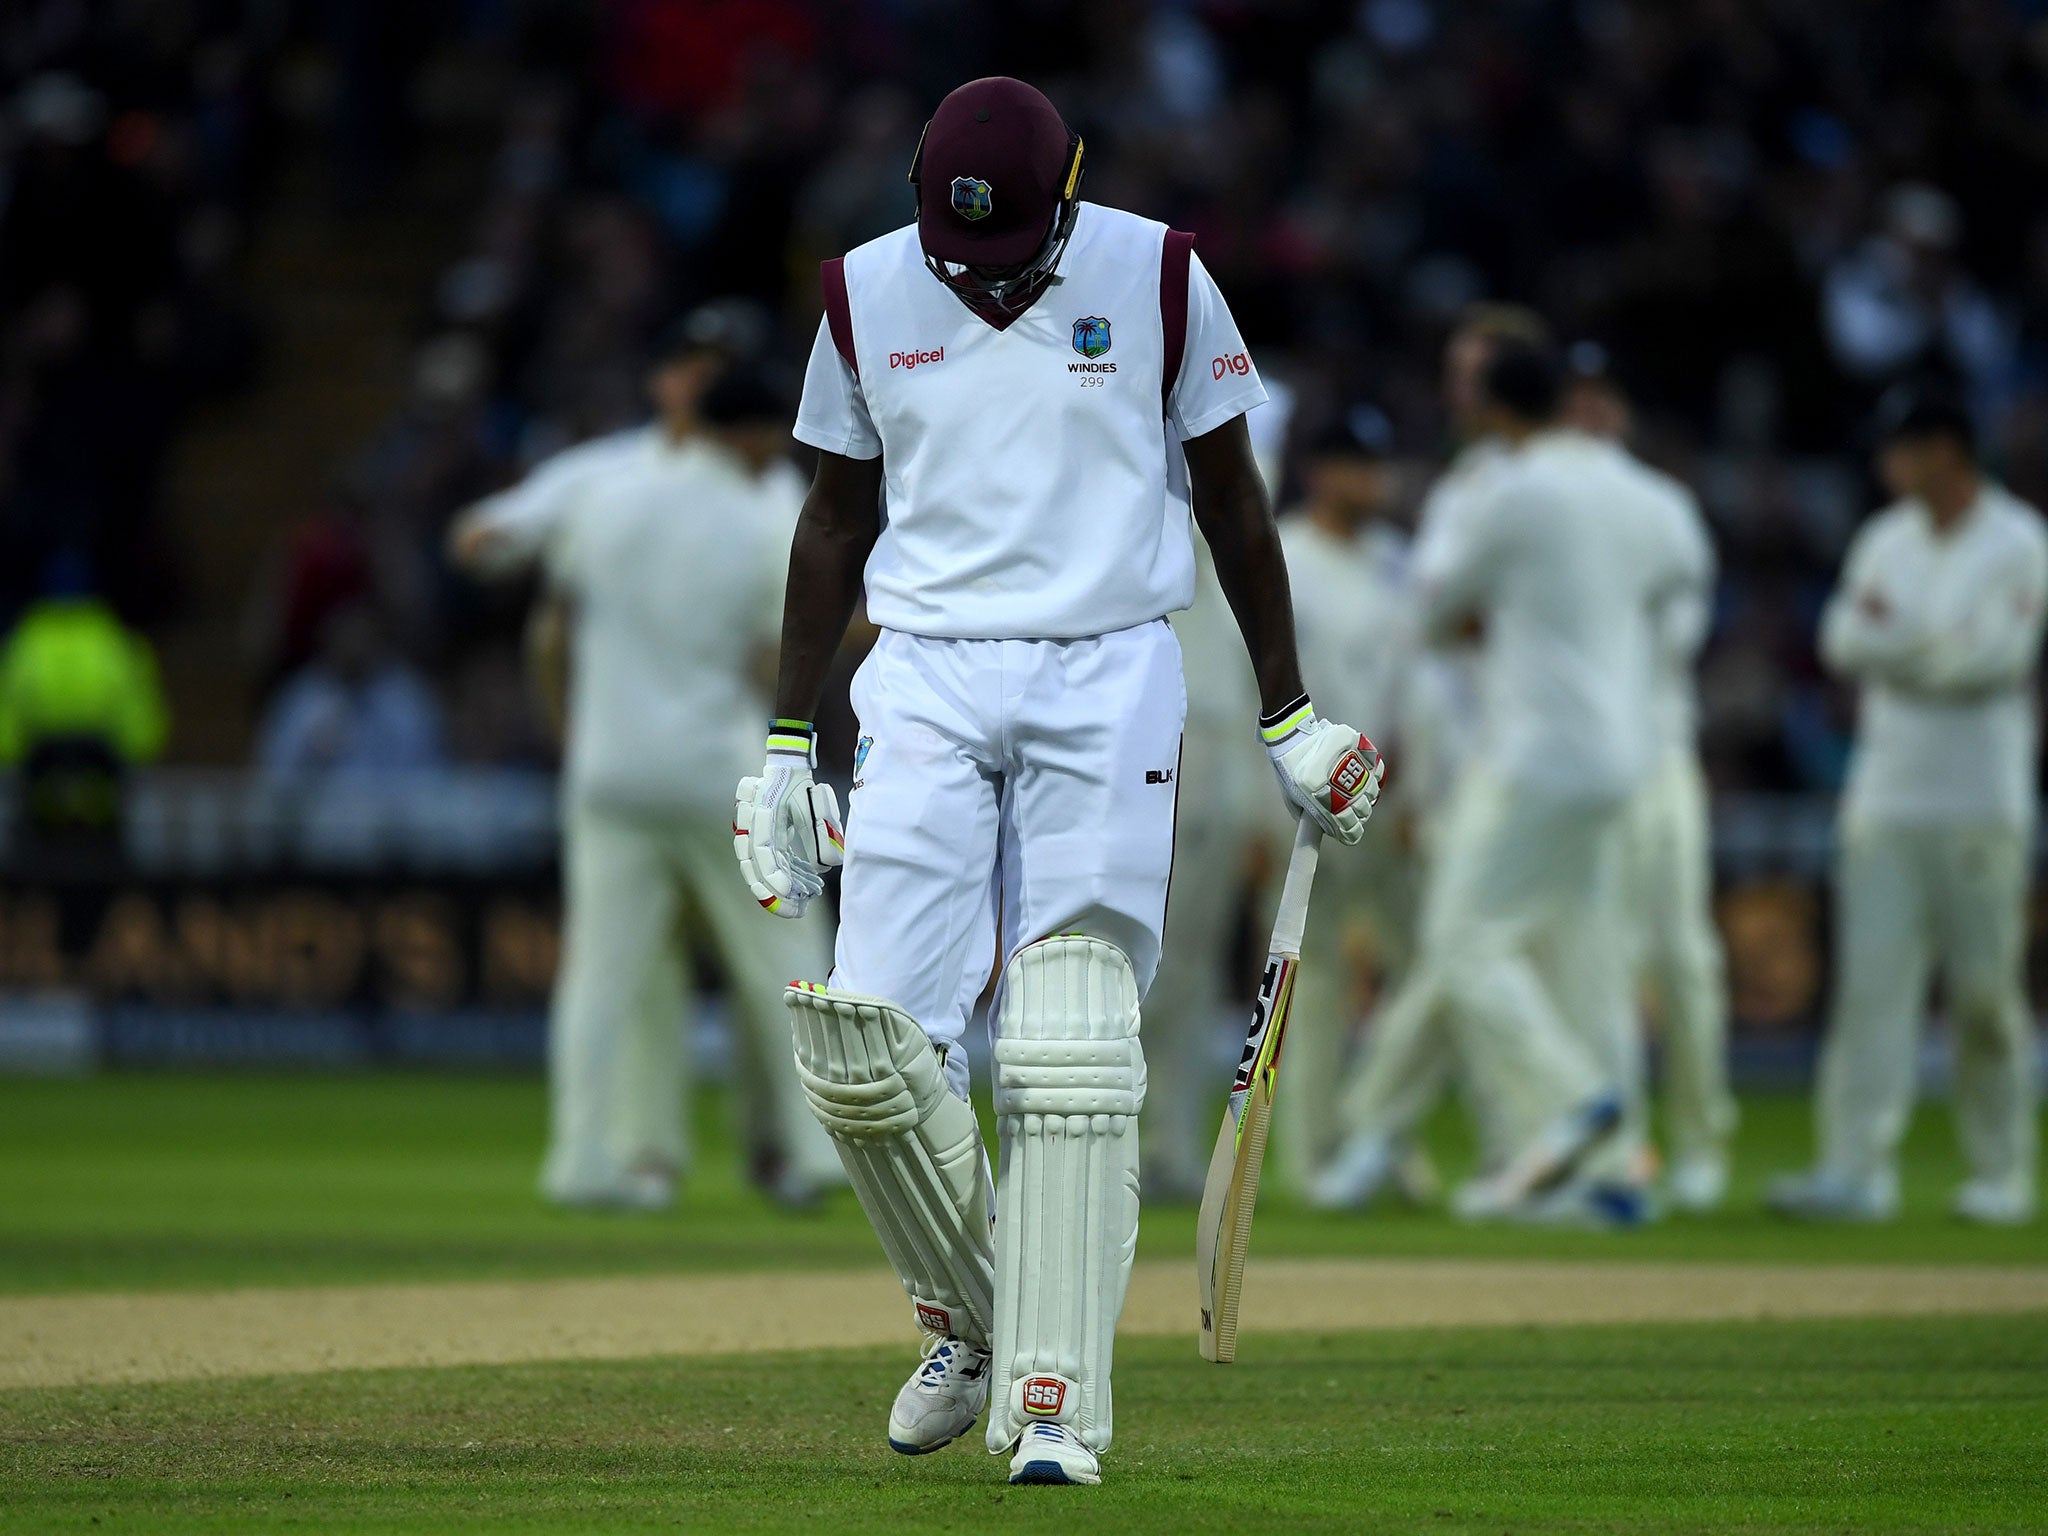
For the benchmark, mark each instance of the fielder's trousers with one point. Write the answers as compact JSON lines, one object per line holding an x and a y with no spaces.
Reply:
{"x":1521,"y":947}
{"x":1668,"y":884}
{"x":1909,"y":900}
{"x":1363,"y":896}
{"x":639,"y":888}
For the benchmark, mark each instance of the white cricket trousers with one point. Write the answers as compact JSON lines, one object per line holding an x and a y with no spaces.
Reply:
{"x":1668,"y":884}
{"x":1909,"y":899}
{"x":1522,"y":946}
{"x":1008,"y":790}
{"x":639,"y":887}
{"x":1410,"y":1057}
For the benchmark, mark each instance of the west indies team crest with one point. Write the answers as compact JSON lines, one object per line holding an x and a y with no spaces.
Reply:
{"x":1091,"y":336}
{"x":970,"y":198}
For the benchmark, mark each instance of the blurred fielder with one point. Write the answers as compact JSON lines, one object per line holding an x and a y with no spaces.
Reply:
{"x":1938,"y":617}
{"x":1409,"y":1059}
{"x":1016,"y":400}
{"x":1355,"y":619}
{"x":1667,"y":853}
{"x":1561,"y":557}
{"x":668,"y":544}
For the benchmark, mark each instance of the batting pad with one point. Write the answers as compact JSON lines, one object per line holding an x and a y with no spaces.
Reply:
{"x":1070,"y":1078}
{"x":911,"y":1148}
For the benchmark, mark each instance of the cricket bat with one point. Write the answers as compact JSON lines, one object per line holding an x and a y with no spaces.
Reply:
{"x":1233,"y":1184}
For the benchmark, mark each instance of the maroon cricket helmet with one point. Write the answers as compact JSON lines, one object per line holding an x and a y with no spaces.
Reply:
{"x":998,"y":174}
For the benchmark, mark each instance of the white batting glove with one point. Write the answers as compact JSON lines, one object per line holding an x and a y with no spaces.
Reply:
{"x":1327,"y":770}
{"x":786,"y":827}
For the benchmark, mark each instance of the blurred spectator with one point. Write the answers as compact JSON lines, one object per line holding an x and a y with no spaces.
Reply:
{"x":1901,"y":303}
{"x":323,"y":567}
{"x":1765,"y":212}
{"x":71,"y":672}
{"x":126,"y":150}
{"x":79,"y":703}
{"x":356,"y":706}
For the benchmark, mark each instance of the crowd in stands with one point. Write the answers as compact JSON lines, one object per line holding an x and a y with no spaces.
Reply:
{"x":130,"y":152}
{"x":1765,"y":210}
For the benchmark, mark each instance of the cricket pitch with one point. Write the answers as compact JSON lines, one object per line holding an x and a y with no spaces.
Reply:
{"x":172,"y":1336}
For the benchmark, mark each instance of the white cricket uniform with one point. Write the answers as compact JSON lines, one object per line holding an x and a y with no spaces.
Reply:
{"x":1668,"y":876}
{"x":1563,"y":554}
{"x":1021,"y":714}
{"x":1943,"y":631}
{"x":1355,"y":620}
{"x":1021,"y":724}
{"x":673,"y":558}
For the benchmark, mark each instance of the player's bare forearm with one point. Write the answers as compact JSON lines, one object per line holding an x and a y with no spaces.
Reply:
{"x":1235,"y":517}
{"x":841,"y":521}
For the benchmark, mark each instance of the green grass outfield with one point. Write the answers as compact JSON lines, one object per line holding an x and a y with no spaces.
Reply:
{"x":152,"y":1182}
{"x":129,"y":1182}
{"x":1868,"y":1426}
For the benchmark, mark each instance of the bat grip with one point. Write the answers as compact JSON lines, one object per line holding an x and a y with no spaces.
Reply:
{"x":1292,"y":916}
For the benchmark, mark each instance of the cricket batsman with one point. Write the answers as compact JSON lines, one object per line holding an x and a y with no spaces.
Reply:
{"x":1018,"y":401}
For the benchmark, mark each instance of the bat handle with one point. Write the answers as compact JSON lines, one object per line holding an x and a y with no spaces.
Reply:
{"x":1292,"y":915}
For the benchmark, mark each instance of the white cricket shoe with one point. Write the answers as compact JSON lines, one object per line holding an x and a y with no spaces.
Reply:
{"x":1995,"y":1202}
{"x":1371,"y":1164}
{"x":1826,"y":1194}
{"x":641,"y":1190}
{"x":1053,"y":1453}
{"x":943,"y":1397}
{"x":1587,"y":1205}
{"x":1545,"y":1163}
{"x":1697,"y":1184}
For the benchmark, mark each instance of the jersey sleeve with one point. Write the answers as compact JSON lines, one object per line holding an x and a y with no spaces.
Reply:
{"x":1217,"y":380}
{"x":528,"y":522}
{"x":1862,"y":633}
{"x":1689,"y":558}
{"x":562,"y":559}
{"x":834,"y":415}
{"x":1999,"y":642}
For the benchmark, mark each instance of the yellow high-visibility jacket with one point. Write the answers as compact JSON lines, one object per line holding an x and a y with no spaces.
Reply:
{"x":71,"y":668}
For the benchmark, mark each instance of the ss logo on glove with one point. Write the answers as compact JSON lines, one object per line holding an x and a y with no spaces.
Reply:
{"x":1350,"y":775}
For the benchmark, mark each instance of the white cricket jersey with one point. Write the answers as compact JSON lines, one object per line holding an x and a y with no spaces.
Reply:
{"x":1562,"y":551}
{"x":1354,"y":620}
{"x":1034,"y":485}
{"x":1461,"y":483}
{"x":1944,"y":632}
{"x":675,"y":559}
